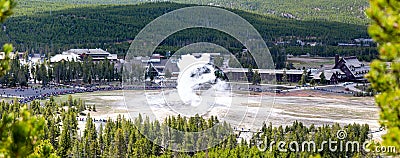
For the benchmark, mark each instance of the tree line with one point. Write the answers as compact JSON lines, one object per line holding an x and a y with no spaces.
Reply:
{"x":83,"y":26}
{"x":87,"y":71}
{"x":63,"y":72}
{"x":340,"y":11}
{"x":50,"y":129}
{"x":18,"y":75}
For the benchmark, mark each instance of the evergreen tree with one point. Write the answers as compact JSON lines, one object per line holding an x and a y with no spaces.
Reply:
{"x":323,"y":78}
{"x":44,"y":149}
{"x":250,"y":74}
{"x":256,"y":78}
{"x":100,"y":140}
{"x":385,"y":79}
{"x":42,"y":74}
{"x":90,"y":138}
{"x":284,"y":77}
{"x":303,"y":80}
{"x":65,"y":140}
{"x":20,"y":132}
{"x":119,"y":147}
{"x":77,"y":151}
{"x":7,"y":7}
{"x":312,"y":82}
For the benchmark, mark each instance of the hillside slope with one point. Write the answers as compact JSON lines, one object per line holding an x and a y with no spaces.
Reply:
{"x":344,"y":11}
{"x":59,"y":26}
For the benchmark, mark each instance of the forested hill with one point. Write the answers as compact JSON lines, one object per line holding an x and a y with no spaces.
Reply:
{"x":57,"y":26}
{"x":346,"y":11}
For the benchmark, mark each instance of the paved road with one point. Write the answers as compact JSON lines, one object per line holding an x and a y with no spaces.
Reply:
{"x":353,"y":88}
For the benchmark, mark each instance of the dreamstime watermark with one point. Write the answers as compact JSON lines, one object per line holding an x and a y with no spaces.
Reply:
{"x":336,"y":145}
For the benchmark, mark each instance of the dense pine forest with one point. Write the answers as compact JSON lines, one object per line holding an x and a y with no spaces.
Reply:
{"x":340,"y":10}
{"x":51,"y":129}
{"x":59,"y":26}
{"x":64,"y":72}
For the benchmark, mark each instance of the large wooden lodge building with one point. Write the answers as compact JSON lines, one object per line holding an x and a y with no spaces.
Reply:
{"x":346,"y":69}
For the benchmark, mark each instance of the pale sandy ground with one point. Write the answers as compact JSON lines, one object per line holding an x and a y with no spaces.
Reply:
{"x":241,"y":110}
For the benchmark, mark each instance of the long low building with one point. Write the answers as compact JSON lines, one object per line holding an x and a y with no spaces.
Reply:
{"x":96,"y":54}
{"x":65,"y":56}
{"x":241,"y":74}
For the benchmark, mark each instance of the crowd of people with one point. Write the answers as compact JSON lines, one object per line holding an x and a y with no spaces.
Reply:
{"x":26,"y":95}
{"x":94,"y":120}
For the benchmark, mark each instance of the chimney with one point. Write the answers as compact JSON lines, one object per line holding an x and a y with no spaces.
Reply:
{"x":336,"y":59}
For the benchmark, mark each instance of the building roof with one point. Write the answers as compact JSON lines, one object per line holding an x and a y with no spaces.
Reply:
{"x":64,"y":56}
{"x":338,"y":71}
{"x":96,"y":54}
{"x":211,"y":54}
{"x":328,"y":75}
{"x":88,"y":51}
{"x":110,"y":57}
{"x":35,"y":59}
{"x":357,"y":68}
{"x":166,"y":64}
{"x":262,"y":71}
